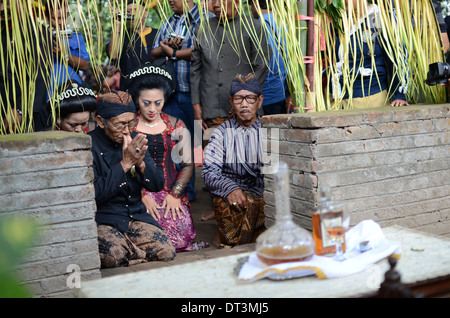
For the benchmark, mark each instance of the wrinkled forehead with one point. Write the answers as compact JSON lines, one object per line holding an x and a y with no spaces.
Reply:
{"x":123,"y":118}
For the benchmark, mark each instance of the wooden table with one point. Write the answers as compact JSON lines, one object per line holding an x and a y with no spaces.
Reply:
{"x":424,"y":265}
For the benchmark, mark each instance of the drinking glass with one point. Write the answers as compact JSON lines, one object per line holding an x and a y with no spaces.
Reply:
{"x":336,"y":223}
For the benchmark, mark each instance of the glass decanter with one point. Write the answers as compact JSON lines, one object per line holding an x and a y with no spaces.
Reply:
{"x":284,"y":241}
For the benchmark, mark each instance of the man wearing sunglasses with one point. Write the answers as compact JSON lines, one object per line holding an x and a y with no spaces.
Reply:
{"x":127,"y":233}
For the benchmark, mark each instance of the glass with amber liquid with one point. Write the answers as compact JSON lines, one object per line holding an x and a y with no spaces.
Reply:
{"x":324,"y":244}
{"x":336,"y":224}
{"x":284,"y":241}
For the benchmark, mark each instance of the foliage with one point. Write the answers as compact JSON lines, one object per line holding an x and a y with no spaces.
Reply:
{"x":408,"y":32}
{"x":96,"y":19}
{"x":333,"y":9}
{"x":445,"y":4}
{"x":101,"y":9}
{"x":16,"y":235}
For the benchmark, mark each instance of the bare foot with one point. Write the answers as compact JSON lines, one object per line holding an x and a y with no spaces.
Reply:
{"x":207,"y":216}
{"x":216,"y":241}
{"x":195,"y":246}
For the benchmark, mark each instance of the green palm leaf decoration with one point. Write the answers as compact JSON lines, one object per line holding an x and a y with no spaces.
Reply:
{"x":409,"y":35}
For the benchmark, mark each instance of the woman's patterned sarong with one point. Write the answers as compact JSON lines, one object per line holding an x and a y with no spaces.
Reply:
{"x":180,"y":231}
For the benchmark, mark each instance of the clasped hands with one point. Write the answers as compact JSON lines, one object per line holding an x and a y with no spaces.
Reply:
{"x":133,"y":152}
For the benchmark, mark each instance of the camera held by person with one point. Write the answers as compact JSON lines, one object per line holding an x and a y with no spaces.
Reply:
{"x":128,"y":17}
{"x":63,"y":34}
{"x":438,"y":73}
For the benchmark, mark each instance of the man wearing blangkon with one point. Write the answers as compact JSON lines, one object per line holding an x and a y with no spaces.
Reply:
{"x":127,"y":234}
{"x":232,"y":168}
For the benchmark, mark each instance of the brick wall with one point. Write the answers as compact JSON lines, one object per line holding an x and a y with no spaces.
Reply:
{"x":46,"y":177}
{"x":391,"y":165}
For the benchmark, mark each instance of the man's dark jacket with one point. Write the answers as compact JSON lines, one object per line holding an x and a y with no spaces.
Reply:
{"x":118,"y":194}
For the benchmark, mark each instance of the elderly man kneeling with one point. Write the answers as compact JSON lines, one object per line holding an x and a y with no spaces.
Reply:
{"x":127,"y":234}
{"x":232,"y":166}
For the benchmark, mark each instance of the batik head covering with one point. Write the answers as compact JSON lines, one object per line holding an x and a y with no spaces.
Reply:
{"x":115,"y":103}
{"x":247,"y":82}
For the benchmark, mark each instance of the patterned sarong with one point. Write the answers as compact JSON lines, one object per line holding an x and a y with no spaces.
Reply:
{"x":180,"y":231}
{"x":240,"y":227}
{"x":142,"y":243}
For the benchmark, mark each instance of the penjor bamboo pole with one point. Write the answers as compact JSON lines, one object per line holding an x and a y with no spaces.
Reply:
{"x":299,"y":103}
{"x":309,"y":98}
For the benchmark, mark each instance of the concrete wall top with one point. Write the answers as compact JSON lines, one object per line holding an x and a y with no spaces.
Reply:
{"x":43,"y":142}
{"x":344,"y":118}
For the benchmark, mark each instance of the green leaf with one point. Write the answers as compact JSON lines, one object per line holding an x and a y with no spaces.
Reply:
{"x":338,"y":4}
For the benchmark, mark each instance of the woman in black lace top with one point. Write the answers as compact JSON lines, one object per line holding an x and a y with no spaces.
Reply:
{"x":168,"y":145}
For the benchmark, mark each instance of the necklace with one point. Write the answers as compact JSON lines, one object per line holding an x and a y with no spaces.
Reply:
{"x":151,"y":126}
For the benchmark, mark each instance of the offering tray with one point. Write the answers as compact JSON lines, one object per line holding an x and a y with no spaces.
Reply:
{"x":323,"y":267}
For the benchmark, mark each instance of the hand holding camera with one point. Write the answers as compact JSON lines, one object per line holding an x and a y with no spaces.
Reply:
{"x":59,"y":48}
{"x":63,"y":34}
{"x":175,"y":41}
{"x":438,"y":73}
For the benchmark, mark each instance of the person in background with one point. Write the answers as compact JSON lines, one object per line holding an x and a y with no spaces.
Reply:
{"x":442,"y":25}
{"x":371,"y":86}
{"x":275,"y":91}
{"x":73,"y":105}
{"x":232,"y":167}
{"x":175,"y":42}
{"x":136,"y":48}
{"x":22,"y":46}
{"x":167,"y":136}
{"x":207,"y":6}
{"x":69,"y":49}
{"x":127,"y":233}
{"x":217,"y":58}
{"x":112,"y":79}
{"x":8,"y":86}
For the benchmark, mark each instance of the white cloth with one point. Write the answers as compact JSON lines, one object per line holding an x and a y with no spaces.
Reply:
{"x":326,"y":267}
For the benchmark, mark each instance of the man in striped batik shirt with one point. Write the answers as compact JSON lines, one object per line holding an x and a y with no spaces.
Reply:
{"x":232,"y":166}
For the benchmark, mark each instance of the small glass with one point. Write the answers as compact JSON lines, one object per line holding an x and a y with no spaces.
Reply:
{"x":336,"y":223}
